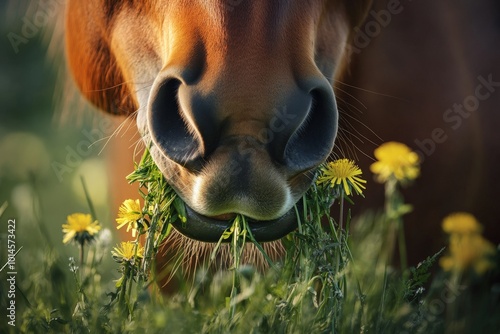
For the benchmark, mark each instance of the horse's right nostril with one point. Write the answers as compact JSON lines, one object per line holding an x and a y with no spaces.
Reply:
{"x":312,"y":139}
{"x":171,"y":128}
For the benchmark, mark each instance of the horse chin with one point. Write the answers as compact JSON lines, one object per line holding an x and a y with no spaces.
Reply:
{"x":210,"y":229}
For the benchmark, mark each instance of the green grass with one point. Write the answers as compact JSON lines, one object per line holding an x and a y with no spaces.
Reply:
{"x":331,"y":280}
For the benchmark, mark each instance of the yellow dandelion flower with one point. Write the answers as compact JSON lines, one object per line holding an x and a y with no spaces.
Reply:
{"x":395,"y":159}
{"x":461,"y":222}
{"x":467,"y":249}
{"x":127,"y":251}
{"x":129,"y":214}
{"x":80,"y":227}
{"x":343,"y":172}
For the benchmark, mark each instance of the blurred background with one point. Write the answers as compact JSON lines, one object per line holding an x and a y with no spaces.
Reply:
{"x":415,"y":63}
{"x":43,"y":154}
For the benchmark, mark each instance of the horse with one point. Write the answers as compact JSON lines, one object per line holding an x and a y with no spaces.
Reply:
{"x":233,"y":99}
{"x":239,"y":102}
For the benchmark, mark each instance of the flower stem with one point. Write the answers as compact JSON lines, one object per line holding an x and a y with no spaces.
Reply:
{"x":402,"y":246}
{"x":149,"y":248}
{"x":123,"y":289}
{"x":340,"y":234}
{"x":394,"y":212}
{"x":81,"y":254}
{"x":392,"y":223}
{"x":81,"y":259}
{"x":341,"y":220}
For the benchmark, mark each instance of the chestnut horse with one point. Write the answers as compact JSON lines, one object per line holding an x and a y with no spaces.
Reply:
{"x":234,"y":98}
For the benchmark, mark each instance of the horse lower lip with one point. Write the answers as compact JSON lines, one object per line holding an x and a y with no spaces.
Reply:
{"x":208,"y":229}
{"x":226,"y":216}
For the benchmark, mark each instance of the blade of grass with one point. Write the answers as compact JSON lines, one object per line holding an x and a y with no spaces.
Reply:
{"x":87,"y":197}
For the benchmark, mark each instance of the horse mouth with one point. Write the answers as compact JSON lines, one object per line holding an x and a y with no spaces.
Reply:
{"x":210,"y":229}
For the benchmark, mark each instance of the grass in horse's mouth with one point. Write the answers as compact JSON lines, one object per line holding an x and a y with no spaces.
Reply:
{"x":172,"y":211}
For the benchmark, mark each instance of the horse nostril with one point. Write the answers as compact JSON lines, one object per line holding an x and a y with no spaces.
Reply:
{"x":312,"y":141}
{"x":171,"y":128}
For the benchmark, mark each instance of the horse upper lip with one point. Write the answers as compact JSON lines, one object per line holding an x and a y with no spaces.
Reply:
{"x":206,"y":229}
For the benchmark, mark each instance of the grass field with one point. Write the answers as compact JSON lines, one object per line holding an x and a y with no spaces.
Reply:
{"x":341,"y":274}
{"x":337,"y":275}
